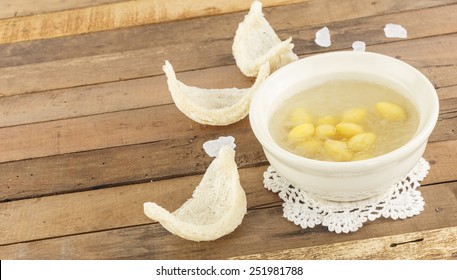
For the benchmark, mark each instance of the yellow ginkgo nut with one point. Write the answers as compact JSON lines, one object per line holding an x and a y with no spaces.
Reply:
{"x":390,"y":111}
{"x":325,"y":131}
{"x":348,"y":130}
{"x":338,"y":150}
{"x":301,"y":132}
{"x":362,"y":141}
{"x":311,"y":146}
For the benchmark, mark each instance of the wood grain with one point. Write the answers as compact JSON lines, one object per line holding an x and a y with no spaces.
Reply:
{"x":108,"y":208}
{"x":41,"y":211}
{"x":154,"y":242}
{"x":132,"y":94}
{"x":102,"y":131}
{"x":446,"y":92}
{"x":431,"y":244}
{"x":119,"y":166}
{"x":85,"y":124}
{"x":193,"y":54}
{"x":20,"y":8}
{"x":156,"y":161}
{"x":287,"y":20}
{"x":131,"y":127}
{"x":109,"y":97}
{"x":114,"y":16}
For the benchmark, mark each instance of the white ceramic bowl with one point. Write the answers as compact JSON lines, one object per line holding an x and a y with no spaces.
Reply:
{"x":344,"y":181}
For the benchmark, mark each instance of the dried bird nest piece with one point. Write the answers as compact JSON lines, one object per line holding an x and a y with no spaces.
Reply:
{"x":212,"y":106}
{"x":256,"y":43}
{"x":216,"y":208}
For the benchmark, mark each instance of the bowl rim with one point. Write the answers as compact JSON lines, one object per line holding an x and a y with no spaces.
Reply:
{"x":365,"y":165}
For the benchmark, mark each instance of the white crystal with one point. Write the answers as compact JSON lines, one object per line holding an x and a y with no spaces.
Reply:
{"x":323,"y":37}
{"x":393,"y":30}
{"x":358,"y":46}
{"x":212,"y":147}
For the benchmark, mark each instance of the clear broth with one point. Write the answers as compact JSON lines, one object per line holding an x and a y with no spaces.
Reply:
{"x":337,"y":96}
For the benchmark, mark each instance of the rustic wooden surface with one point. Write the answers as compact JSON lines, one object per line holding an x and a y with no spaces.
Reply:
{"x":86,"y":136}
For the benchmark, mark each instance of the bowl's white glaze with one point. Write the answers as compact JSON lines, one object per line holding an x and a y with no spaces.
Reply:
{"x":344,"y":181}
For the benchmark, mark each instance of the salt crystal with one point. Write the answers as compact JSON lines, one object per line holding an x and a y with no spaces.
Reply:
{"x":393,"y":30}
{"x":323,"y":37}
{"x":212,"y":147}
{"x":358,"y":46}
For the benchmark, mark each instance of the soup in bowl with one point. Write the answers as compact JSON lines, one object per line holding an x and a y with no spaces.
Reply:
{"x":344,"y":126}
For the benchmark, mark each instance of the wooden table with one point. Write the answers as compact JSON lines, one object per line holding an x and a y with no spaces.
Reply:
{"x":89,"y":131}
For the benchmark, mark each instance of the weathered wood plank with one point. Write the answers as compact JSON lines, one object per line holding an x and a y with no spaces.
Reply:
{"x":115,"y":15}
{"x":194,"y":54}
{"x":448,"y":91}
{"x":79,"y":173}
{"x":440,"y":74}
{"x":91,"y":152}
{"x":446,"y":126}
{"x":21,"y":8}
{"x":102,"y":131}
{"x":123,"y":206}
{"x":119,"y":165}
{"x":440,"y":156}
{"x":153,"y":242}
{"x":133,"y":127}
{"x":109,"y":97}
{"x":156,"y":161}
{"x":443,"y":130}
{"x":430,"y":244}
{"x":131,"y":94}
{"x":288,"y":20}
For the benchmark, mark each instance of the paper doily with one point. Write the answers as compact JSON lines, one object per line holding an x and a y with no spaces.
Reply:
{"x":403,"y":200}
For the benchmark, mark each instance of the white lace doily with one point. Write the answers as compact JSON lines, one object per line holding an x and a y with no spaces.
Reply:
{"x":402,"y":201}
